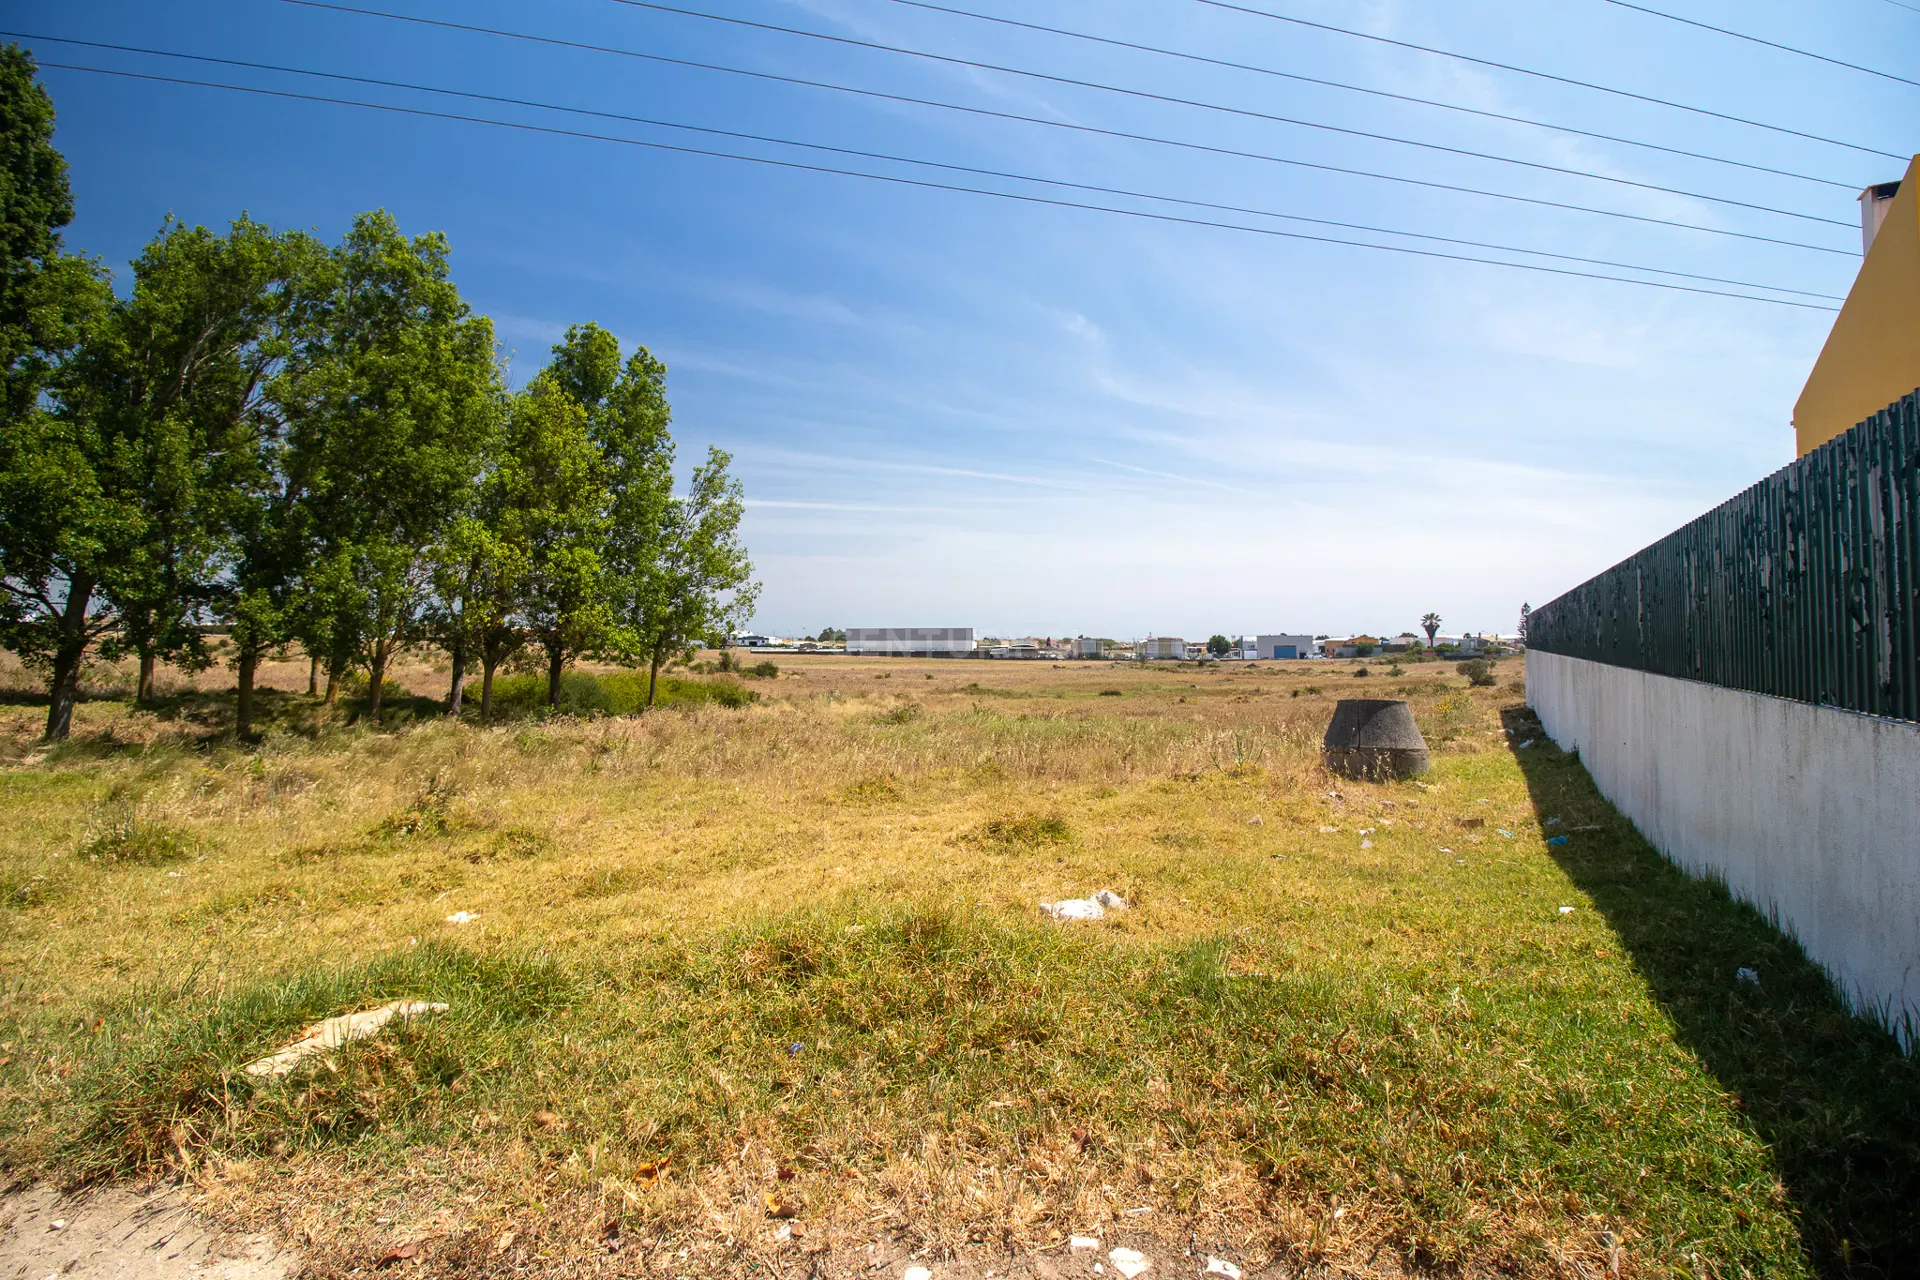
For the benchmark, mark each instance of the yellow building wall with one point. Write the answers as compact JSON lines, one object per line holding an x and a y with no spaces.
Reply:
{"x":1872,"y":357}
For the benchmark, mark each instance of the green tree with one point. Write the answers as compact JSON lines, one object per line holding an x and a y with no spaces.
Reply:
{"x":390,"y":418}
{"x":555,"y":514}
{"x":1219,"y":646}
{"x":701,"y":587}
{"x":180,"y":373}
{"x":66,"y":524}
{"x":1430,"y":623}
{"x":36,"y":316}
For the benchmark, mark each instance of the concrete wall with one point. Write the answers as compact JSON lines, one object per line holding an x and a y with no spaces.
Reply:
{"x":1810,"y":813}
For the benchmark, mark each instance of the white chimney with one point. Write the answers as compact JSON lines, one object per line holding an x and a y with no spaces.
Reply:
{"x":1874,"y":203}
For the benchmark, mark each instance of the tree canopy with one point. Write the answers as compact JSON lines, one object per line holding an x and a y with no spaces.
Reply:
{"x":315,"y":445}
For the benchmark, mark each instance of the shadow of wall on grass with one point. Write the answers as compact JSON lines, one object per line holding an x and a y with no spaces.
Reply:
{"x":1830,"y":1094}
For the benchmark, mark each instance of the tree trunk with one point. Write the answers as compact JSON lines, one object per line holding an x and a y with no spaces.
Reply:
{"x":376,"y":676}
{"x":653,"y":677}
{"x":487,"y":664}
{"x":313,"y":674}
{"x":64,"y":690}
{"x":459,"y":655}
{"x":243,"y":715}
{"x":143,"y":691}
{"x":556,"y":659}
{"x":334,"y":672}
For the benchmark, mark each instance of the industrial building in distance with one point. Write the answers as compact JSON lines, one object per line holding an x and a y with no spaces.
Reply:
{"x":911,"y":642}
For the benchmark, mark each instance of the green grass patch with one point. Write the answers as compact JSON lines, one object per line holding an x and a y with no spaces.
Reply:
{"x":132,"y":840}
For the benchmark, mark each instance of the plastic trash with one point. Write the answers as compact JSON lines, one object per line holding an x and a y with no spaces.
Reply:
{"x":794,"y":1048}
{"x":1523,"y":746}
{"x":1256,"y":821}
{"x":1504,"y":832}
{"x":1327,"y":831}
{"x":1366,"y":844}
{"x":1550,"y":822}
{"x":462,"y":917}
{"x":1221,"y":1267}
{"x":1750,"y":976}
{"x":1560,"y":840}
{"x":1085,"y":908}
{"x":1566,"y":911}
{"x":1128,"y":1262}
{"x":916,"y":1273}
{"x":334,"y":1032}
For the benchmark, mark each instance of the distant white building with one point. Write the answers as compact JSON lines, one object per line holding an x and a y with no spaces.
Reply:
{"x":1162,"y":647}
{"x":1084,"y":647}
{"x":1282,"y":646}
{"x":911,"y":642}
{"x":750,"y":641}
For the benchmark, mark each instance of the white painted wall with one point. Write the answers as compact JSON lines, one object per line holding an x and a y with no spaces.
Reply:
{"x":1810,"y":813}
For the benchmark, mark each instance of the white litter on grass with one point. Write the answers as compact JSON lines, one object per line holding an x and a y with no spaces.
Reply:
{"x":1446,"y":851}
{"x":1366,"y":844}
{"x":1566,"y":911}
{"x":917,"y":1273}
{"x":1747,"y":975}
{"x":1221,"y":1267}
{"x":1128,"y":1262}
{"x":1083,"y":1242}
{"x":334,"y":1032}
{"x":1327,"y":831}
{"x":1085,"y":908}
{"x":1551,"y":821}
{"x":1523,"y":746}
{"x":462,"y":917}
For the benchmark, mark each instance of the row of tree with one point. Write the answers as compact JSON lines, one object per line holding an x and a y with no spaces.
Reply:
{"x":316,"y":447}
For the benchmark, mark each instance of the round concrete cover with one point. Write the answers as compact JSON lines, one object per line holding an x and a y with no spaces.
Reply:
{"x":1375,"y":737}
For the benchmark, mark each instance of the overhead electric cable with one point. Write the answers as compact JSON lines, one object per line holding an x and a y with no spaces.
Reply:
{"x":1546,"y":75}
{"x":1377,"y":93}
{"x":1200,"y":104}
{"x":910,"y":160}
{"x":924,"y":184}
{"x":1096,"y":130}
{"x":1784,"y":48}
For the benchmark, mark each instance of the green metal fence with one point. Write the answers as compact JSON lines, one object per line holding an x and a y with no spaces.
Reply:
{"x":1806,"y":586}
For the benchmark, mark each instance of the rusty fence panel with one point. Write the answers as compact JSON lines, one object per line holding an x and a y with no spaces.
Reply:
{"x":1806,"y":586}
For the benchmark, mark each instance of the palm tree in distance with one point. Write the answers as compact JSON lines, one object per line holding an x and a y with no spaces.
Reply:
{"x":1431,"y":625}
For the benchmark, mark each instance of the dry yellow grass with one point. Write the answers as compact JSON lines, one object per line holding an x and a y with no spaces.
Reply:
{"x":794,"y":950}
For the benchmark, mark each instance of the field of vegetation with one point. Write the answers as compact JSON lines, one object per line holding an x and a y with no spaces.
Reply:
{"x":758,"y":982}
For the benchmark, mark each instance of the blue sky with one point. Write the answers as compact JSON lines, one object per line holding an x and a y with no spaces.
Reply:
{"x":949,"y":409}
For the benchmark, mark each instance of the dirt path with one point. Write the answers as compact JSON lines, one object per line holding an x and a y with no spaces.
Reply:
{"x":116,"y":1232}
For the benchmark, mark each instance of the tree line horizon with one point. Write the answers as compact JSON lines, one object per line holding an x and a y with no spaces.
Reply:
{"x":315,"y":446}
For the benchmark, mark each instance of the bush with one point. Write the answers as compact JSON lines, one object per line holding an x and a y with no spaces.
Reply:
{"x":1111,"y":693}
{"x":129,"y":839}
{"x":1361,"y":673}
{"x":768,"y":670}
{"x":1478,"y":671}
{"x":1396,"y":670}
{"x":619,"y":693}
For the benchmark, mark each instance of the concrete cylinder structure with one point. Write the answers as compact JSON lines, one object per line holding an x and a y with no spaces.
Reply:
{"x":1375,"y":738}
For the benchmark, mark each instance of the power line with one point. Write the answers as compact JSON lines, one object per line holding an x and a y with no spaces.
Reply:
{"x":1096,"y":130}
{"x":910,"y":160}
{"x":1784,"y":48}
{"x":925,"y":184}
{"x":1244,"y":112}
{"x":1547,"y":75}
{"x":1377,"y":93}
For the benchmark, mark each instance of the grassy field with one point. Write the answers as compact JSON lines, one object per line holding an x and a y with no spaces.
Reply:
{"x":763,"y":987}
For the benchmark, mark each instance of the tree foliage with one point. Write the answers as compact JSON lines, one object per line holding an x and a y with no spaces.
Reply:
{"x":315,"y":445}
